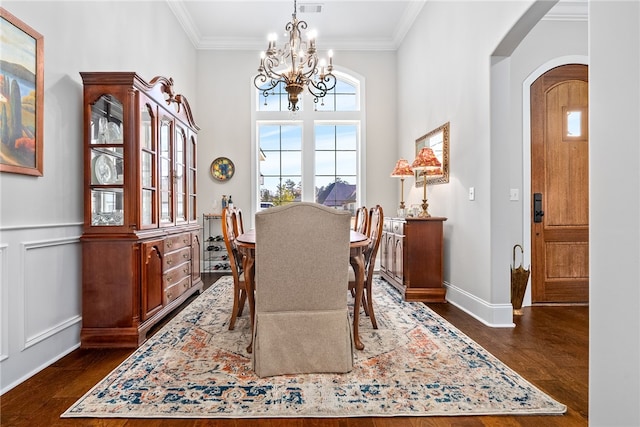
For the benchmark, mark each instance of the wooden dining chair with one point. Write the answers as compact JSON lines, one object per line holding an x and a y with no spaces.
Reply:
{"x":361,"y":220}
{"x":239,"y":221}
{"x":375,"y":221}
{"x":230,"y":228}
{"x":302,"y":322}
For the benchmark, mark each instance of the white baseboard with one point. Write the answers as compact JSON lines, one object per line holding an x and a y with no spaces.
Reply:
{"x":493,"y":315}
{"x":38,"y":369}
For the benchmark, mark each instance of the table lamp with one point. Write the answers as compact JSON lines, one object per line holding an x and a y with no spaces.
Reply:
{"x":426,"y":163}
{"x":401,"y":171}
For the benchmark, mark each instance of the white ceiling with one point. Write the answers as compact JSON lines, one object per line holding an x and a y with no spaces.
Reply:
{"x":341,"y":25}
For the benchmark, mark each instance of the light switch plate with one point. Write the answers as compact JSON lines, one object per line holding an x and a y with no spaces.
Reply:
{"x":472,"y":193}
{"x":514,"y":194}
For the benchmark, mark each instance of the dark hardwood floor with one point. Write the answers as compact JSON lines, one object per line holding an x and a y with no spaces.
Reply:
{"x":548,"y":346}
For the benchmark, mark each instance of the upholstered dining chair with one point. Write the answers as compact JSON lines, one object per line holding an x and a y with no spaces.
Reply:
{"x":375,"y":221}
{"x":302,"y":320}
{"x":230,"y":226}
{"x":361,"y":220}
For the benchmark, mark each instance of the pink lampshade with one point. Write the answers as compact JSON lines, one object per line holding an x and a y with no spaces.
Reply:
{"x":402,"y":169}
{"x":427,"y":161}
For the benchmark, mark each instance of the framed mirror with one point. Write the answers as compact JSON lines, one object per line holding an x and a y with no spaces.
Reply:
{"x":438,"y":140}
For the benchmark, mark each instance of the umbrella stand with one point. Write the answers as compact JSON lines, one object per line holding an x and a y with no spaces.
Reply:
{"x":519,"y":279}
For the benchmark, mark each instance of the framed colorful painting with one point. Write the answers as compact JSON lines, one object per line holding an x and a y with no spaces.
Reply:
{"x":21,"y":96}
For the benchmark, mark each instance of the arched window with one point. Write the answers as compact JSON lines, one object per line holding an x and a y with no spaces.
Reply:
{"x":314,"y":154}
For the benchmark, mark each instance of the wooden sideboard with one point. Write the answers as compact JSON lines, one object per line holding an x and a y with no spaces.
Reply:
{"x":411,"y":256}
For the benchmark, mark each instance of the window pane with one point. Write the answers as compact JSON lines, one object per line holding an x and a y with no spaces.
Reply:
{"x":291,"y":163}
{"x":281,"y":190}
{"x":269,"y":137}
{"x":291,"y":138}
{"x":336,"y":193}
{"x":346,"y":137}
{"x":271,"y":165}
{"x":345,"y":102}
{"x":340,"y":98}
{"x":326,"y":103}
{"x":270,"y":185}
{"x":273,"y":100}
{"x":344,"y":87}
{"x":326,"y":163}
{"x":325,"y":137}
{"x":346,"y":163}
{"x":574,"y":123}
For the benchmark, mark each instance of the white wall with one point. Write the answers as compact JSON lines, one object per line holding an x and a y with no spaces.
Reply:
{"x":41,"y":218}
{"x":444,"y":75}
{"x":224,"y":103}
{"x":614,"y":239}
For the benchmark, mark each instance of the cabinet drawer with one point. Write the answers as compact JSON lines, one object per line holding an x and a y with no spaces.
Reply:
{"x":175,"y":258}
{"x":178,"y":289}
{"x":398,"y":227}
{"x":177,"y":241}
{"x":386,"y":225}
{"x":175,"y":275}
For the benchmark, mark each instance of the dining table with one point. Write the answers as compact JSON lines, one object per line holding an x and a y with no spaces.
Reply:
{"x":358,"y":242}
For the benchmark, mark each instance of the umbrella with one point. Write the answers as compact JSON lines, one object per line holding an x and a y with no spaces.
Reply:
{"x":519,"y":279}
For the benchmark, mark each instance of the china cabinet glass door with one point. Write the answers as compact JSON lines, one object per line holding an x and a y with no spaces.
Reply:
{"x":192,"y":180}
{"x":180,"y":174}
{"x":148,"y":180}
{"x":107,"y":162}
{"x":166,"y":201}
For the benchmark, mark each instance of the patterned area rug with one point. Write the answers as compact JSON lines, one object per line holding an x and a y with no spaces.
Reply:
{"x":415,"y":364}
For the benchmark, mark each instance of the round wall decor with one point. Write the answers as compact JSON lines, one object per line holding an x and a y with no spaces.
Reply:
{"x":222,"y":169}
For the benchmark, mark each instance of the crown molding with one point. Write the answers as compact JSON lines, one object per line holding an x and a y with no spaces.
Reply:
{"x":237,"y":43}
{"x":184,"y":18}
{"x":568,"y":10}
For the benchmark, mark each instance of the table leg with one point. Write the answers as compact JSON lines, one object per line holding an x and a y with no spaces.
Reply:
{"x":357,"y":262}
{"x":249,"y":275}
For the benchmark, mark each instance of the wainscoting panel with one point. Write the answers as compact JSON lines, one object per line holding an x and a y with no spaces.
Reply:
{"x":4,"y":303}
{"x":40,"y":297}
{"x":52,"y":287}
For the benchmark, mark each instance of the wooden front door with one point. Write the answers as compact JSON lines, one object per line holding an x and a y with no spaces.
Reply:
{"x":560,"y":186}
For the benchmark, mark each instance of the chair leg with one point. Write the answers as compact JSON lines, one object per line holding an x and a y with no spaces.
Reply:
{"x":365,"y":305}
{"x":243,"y":298}
{"x":370,"y":303}
{"x":236,"y":307}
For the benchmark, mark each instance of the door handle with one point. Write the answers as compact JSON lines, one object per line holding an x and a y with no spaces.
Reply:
{"x":538,"y":213}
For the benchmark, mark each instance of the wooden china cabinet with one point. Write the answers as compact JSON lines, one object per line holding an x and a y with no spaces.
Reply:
{"x":411,"y":256}
{"x":141,"y":237}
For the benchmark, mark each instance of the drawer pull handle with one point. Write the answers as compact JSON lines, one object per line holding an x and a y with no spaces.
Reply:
{"x":169,"y":244}
{"x":185,"y":256}
{"x":169,"y":295}
{"x":169,"y":262}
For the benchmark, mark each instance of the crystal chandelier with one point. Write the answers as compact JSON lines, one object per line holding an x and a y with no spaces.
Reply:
{"x":296,"y":65}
